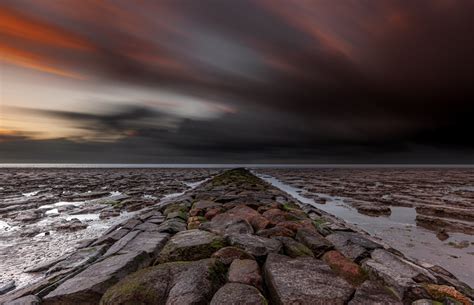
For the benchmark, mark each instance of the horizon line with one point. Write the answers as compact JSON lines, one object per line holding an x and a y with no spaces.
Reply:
{"x":233,"y":165}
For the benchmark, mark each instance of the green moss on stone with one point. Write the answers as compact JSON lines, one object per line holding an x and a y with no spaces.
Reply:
{"x":217,"y":273}
{"x":202,"y":219}
{"x":289,"y":206}
{"x":319,"y":222}
{"x":239,"y":176}
{"x":322,"y":226}
{"x":171,"y":252}
{"x":176,"y":208}
{"x":218,"y":243}
{"x":301,"y":250}
{"x":131,"y":288}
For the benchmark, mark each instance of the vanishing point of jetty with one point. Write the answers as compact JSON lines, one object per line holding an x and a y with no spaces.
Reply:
{"x":236,"y":239}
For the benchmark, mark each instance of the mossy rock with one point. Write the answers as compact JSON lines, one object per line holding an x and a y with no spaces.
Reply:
{"x":293,"y":248}
{"x":147,"y":286}
{"x":238,"y":176}
{"x":191,"y":245}
{"x":289,"y":206}
{"x":321,"y":226}
{"x":202,"y":219}
{"x":178,"y":214}
{"x":300,"y":250}
{"x":175,"y":208}
{"x":170,"y":283}
{"x":227,"y":255}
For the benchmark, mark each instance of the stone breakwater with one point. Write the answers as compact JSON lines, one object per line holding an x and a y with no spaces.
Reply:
{"x":238,"y":240}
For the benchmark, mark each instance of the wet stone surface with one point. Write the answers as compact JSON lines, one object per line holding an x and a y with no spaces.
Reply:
{"x":237,"y":294}
{"x":427,"y":213}
{"x":171,"y":253}
{"x":304,"y":280}
{"x":46,"y":213}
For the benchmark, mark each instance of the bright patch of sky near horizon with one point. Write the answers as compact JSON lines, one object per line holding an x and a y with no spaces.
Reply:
{"x":23,"y":90}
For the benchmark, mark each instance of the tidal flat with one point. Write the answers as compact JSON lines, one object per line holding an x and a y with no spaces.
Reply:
{"x":365,"y":228}
{"x":427,"y":213}
{"x":46,"y":213}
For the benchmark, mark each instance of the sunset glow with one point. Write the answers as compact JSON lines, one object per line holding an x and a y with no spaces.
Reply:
{"x":295,"y":75}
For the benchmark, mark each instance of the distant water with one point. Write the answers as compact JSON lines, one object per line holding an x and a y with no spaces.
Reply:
{"x":224,"y":165}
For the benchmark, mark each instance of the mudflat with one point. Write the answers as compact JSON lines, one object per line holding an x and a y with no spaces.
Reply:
{"x":46,"y":213}
{"x":236,"y":239}
{"x":428,"y":213}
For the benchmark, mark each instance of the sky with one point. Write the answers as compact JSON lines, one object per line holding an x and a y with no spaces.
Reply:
{"x":244,"y":81}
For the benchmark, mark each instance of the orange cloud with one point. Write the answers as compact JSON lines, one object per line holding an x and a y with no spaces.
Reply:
{"x":7,"y":135}
{"x":33,"y":61}
{"x":21,"y":34}
{"x":14,"y":24}
{"x":6,"y":132}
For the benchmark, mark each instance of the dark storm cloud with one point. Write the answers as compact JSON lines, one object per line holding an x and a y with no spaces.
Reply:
{"x":115,"y":119}
{"x":354,"y":80}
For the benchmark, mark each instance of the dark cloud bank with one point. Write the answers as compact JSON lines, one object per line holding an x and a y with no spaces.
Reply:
{"x":356,"y":82}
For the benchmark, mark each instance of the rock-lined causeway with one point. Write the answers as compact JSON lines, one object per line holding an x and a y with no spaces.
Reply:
{"x":236,"y":239}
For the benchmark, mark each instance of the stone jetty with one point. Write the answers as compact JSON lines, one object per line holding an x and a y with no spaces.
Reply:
{"x":237,"y":240}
